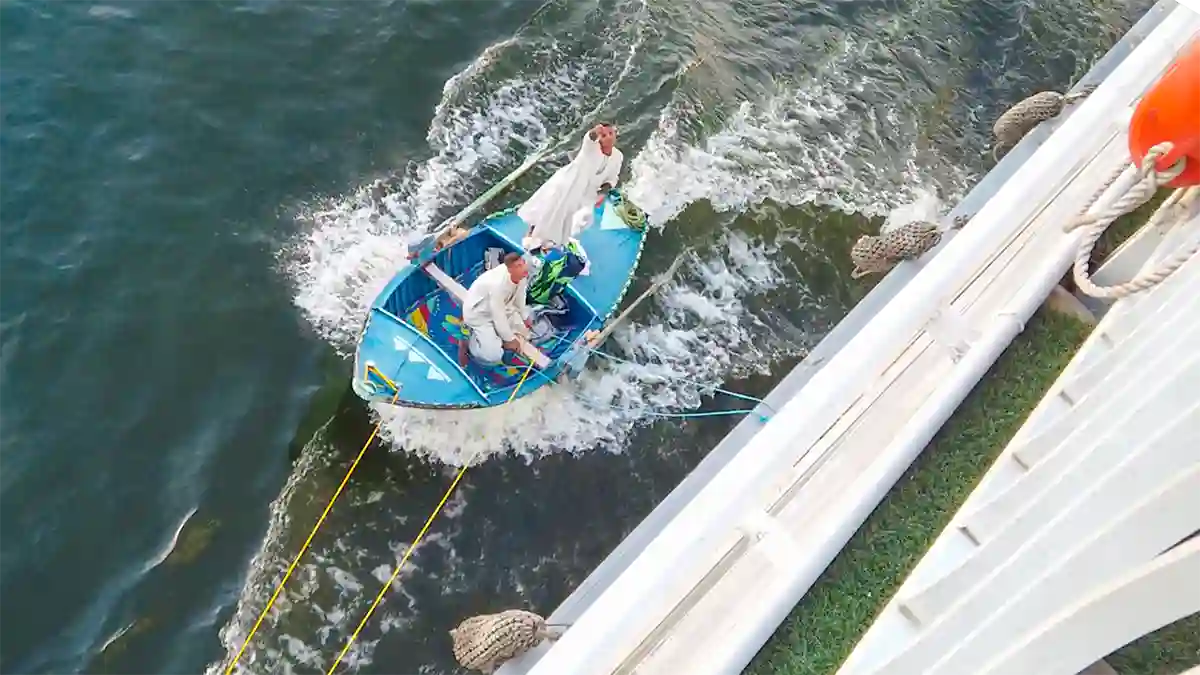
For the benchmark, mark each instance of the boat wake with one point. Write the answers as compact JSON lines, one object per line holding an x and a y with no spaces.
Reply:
{"x":699,"y":331}
{"x":730,"y":311}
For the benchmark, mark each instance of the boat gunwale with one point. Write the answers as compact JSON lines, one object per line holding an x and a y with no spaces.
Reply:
{"x":489,"y":398}
{"x":486,"y":227}
{"x":457,"y":366}
{"x":483,"y":228}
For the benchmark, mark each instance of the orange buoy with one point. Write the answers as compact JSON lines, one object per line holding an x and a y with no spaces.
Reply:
{"x":1170,"y":111}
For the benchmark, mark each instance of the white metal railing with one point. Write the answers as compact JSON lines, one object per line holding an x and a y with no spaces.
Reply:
{"x":688,"y":547}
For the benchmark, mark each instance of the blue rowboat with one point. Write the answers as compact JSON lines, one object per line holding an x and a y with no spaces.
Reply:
{"x":408,"y":352}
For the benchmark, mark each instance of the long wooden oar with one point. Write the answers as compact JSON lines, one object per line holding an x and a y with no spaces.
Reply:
{"x":598,"y":337}
{"x":496,"y":189}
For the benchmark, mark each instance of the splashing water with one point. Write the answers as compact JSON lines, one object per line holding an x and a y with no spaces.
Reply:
{"x":814,"y":141}
{"x":802,"y":145}
{"x":358,"y":242}
{"x":808,"y":143}
{"x":700,"y":326}
{"x":326,"y":594}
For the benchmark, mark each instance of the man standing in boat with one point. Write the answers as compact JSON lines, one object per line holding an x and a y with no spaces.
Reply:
{"x":495,"y":312}
{"x":562,"y":207}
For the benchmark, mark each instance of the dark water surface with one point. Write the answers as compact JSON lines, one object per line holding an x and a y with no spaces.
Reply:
{"x":188,"y":244}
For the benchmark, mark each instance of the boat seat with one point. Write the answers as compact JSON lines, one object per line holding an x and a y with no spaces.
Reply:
{"x":528,"y":350}
{"x":447,"y":282}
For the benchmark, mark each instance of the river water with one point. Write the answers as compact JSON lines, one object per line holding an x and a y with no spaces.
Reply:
{"x":190,"y":237}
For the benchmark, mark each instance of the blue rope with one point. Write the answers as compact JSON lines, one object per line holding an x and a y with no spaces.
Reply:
{"x":718,"y":390}
{"x":689,"y":415}
{"x":762,"y":417}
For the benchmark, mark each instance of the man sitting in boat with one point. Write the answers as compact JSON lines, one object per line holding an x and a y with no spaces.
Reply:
{"x":563,"y":206}
{"x":495,"y":310}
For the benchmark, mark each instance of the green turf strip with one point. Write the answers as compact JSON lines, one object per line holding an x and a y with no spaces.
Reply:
{"x":831,"y":618}
{"x":838,"y":609}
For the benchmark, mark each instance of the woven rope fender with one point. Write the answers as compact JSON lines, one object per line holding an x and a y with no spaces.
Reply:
{"x":485,"y":642}
{"x":876,"y":255}
{"x":1020,"y":119}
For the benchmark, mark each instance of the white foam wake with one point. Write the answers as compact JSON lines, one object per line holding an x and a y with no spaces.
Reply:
{"x":330,"y":590}
{"x":805,"y":144}
{"x":815,"y":141}
{"x":699,"y":326}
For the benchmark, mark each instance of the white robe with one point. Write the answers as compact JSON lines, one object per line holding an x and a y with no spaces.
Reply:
{"x":494,"y":303}
{"x":552,"y":210}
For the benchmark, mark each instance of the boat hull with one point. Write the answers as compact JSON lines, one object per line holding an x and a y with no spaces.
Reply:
{"x":407,"y":353}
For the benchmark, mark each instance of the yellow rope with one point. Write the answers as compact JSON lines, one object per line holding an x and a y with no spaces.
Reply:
{"x":296,"y":561}
{"x":387,"y":380}
{"x":420,"y":535}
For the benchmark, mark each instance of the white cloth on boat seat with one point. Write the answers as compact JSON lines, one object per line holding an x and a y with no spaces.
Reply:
{"x":584,"y":218}
{"x":552,"y":211}
{"x":494,"y":311}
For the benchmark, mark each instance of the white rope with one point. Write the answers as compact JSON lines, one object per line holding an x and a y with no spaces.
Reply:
{"x":1147,"y":183}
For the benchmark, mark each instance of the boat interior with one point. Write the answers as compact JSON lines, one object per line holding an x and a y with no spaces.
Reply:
{"x":430,"y":299}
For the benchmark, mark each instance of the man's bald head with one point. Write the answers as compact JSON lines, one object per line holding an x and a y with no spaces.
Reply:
{"x":517,"y":268}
